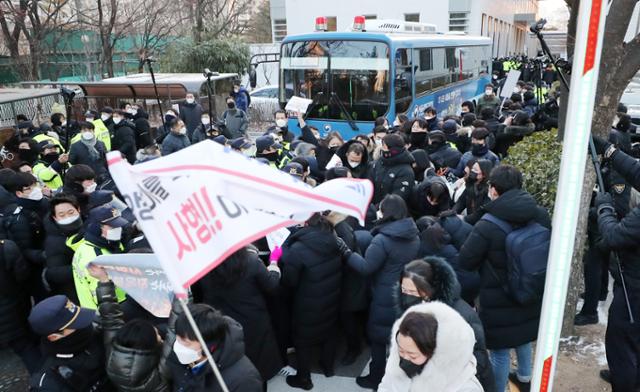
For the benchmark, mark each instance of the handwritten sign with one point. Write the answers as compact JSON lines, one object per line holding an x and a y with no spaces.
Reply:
{"x":142,"y":277}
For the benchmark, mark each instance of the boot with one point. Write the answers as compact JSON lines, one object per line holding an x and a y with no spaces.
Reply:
{"x":297,"y":382}
{"x":585,"y":319}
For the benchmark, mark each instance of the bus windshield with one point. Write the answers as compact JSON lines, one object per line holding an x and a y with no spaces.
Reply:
{"x":344,"y":78}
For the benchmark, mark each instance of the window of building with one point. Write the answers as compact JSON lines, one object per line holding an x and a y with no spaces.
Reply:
{"x":412,"y":17}
{"x":370,"y":17}
{"x":279,"y":30}
{"x":332,"y":23}
{"x":458,"y":21}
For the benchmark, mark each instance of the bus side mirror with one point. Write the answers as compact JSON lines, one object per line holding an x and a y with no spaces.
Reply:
{"x":253,"y":76}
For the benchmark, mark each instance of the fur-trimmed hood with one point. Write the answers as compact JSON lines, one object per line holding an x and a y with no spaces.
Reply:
{"x":452,"y":367}
{"x":445,"y":282}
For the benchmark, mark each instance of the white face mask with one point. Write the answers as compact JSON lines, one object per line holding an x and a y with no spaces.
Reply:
{"x":488,"y":92}
{"x":185,"y":354}
{"x":114,"y":234}
{"x":379,"y":214}
{"x":104,"y":117}
{"x":281,"y":123}
{"x":428,"y":117}
{"x":64,"y":123}
{"x":182,"y":131}
{"x":35,"y":194}
{"x":378,"y":142}
{"x":116,"y":120}
{"x":190,"y":100}
{"x":205,"y":120}
{"x":236,"y":89}
{"x":353,"y":164}
{"x":396,"y":123}
{"x":132,"y":111}
{"x":87,"y":135}
{"x":69,"y":220}
{"x":91,"y":188}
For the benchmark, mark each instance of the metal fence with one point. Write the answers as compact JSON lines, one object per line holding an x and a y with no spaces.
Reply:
{"x":31,"y":107}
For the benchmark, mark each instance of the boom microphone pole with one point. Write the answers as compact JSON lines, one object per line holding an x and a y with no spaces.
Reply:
{"x":536,"y":28}
{"x":150,"y":60}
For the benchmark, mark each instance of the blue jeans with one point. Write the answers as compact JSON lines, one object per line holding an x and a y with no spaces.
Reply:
{"x":501,"y":363}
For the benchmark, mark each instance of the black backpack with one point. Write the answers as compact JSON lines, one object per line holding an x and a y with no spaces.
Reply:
{"x":527,"y":249}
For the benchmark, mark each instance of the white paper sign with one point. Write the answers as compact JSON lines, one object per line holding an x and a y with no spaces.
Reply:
{"x":199,"y":205}
{"x":277,"y":238}
{"x":298,"y":105}
{"x":510,"y":83}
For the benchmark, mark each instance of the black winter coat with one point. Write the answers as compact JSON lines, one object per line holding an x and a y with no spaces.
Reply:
{"x":14,"y":300}
{"x":79,"y":154}
{"x":124,"y":140}
{"x":312,"y":268}
{"x":354,"y":286}
{"x":191,"y":115}
{"x":458,"y":229}
{"x":418,"y":204}
{"x":445,"y":155}
{"x":174,"y":143}
{"x":394,"y":244}
{"x":58,"y":273}
{"x":244,"y":301}
{"x":143,"y":129}
{"x":360,"y":171}
{"x":472,"y":199}
{"x":392,"y":176}
{"x":447,"y":290}
{"x":237,"y":370}
{"x":507,"y":324}
{"x":26,"y":228}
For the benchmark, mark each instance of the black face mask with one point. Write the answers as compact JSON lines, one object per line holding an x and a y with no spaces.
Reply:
{"x":168,"y":118}
{"x":408,"y":301}
{"x":479,"y":150}
{"x":418,"y":139}
{"x":50,"y":158}
{"x":333,"y":149}
{"x":28,"y":155}
{"x":71,"y":344}
{"x":434,"y":146}
{"x":231,"y":105}
{"x":411,"y":369}
{"x":473,"y":177}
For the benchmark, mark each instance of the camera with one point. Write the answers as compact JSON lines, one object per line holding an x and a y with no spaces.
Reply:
{"x":538,"y":26}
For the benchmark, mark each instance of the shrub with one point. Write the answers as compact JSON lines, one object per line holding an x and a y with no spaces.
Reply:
{"x":538,"y":158}
{"x":219,"y":55}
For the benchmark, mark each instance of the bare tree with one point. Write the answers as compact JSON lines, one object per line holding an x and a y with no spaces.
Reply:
{"x":219,"y":18}
{"x":620,"y":62}
{"x":260,"y":29}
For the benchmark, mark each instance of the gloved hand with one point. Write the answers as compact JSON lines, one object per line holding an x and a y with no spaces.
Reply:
{"x":275,"y":255}
{"x":603,"y":201}
{"x":344,"y":250}
{"x":601,"y":144}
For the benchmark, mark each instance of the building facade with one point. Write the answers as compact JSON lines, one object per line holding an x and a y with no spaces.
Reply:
{"x":505,"y":21}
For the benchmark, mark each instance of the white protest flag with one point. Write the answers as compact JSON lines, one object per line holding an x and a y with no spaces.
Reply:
{"x":199,"y":205}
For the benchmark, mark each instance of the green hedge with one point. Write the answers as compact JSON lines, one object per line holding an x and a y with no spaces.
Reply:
{"x":538,"y":157}
{"x":219,"y":55}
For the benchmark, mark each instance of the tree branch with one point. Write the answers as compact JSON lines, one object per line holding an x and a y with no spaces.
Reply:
{"x":630,"y":63}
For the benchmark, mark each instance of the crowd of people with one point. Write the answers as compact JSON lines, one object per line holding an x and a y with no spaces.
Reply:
{"x":422,"y":283}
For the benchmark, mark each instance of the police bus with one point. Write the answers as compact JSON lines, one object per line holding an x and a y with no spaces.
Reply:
{"x":380,"y":68}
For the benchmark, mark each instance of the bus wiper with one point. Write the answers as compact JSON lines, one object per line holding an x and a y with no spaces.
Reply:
{"x":334,"y":97}
{"x":313,"y":104}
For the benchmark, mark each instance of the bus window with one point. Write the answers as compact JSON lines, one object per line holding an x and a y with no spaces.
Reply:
{"x":353,"y":72}
{"x":403,"y":80}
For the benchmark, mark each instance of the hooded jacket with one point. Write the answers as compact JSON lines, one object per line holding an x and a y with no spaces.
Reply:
{"x":507,"y":324}
{"x":124,"y":140}
{"x":447,"y":290}
{"x":452,"y":367}
{"x":394,"y":244}
{"x":360,"y":171}
{"x":393,"y":175}
{"x":311,"y":267}
{"x":444,"y":154}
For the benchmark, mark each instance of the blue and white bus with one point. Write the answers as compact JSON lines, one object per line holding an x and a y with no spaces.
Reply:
{"x":356,"y":76}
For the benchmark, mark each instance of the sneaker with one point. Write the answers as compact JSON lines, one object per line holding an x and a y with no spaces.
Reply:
{"x":297,"y":382}
{"x":585,"y":319}
{"x":522,"y":386}
{"x":367,"y":382}
{"x":605,"y":374}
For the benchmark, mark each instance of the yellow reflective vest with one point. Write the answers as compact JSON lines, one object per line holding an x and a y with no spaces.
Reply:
{"x":47,"y":176}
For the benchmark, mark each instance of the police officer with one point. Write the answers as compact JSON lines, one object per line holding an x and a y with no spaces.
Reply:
{"x":49,"y":167}
{"x":622,"y":341}
{"x":103,"y":236}
{"x":74,"y":351}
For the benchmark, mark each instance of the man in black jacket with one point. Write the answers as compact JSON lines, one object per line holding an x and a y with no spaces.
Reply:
{"x":74,"y":352}
{"x":392,"y":173}
{"x":124,"y":139}
{"x":440,"y":151}
{"x":143,"y":128}
{"x":508,"y":325}
{"x":622,"y":341}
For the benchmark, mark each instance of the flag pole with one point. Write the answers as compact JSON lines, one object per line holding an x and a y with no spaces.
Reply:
{"x":216,"y":371}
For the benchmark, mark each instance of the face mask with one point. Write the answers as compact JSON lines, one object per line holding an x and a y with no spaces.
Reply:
{"x":35,"y":194}
{"x":190,"y":100}
{"x":105,"y":117}
{"x":479,"y":150}
{"x":429,"y":117}
{"x":379,"y":215}
{"x":205,"y":120}
{"x":64,"y":123}
{"x":51,"y":157}
{"x":411,"y":369}
{"x":132,"y":111}
{"x":280,"y":123}
{"x":231,"y":105}
{"x":409,"y":300}
{"x":488,"y":92}
{"x":185,"y":354}
{"x":418,"y":139}
{"x":91,"y":188}
{"x":236,"y":89}
{"x":89,"y":119}
{"x":116,"y":120}
{"x":114,"y":234}
{"x":28,"y":155}
{"x":396,"y":123}
{"x":87,"y":136}
{"x":68,"y":221}
{"x":386,"y":154}
{"x":182,"y":131}
{"x":473,"y":177}
{"x":353,"y":164}
{"x":378,"y":142}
